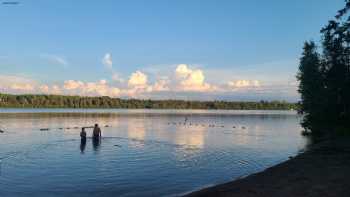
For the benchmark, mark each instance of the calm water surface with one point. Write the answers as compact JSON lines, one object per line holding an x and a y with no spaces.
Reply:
{"x":142,"y":152}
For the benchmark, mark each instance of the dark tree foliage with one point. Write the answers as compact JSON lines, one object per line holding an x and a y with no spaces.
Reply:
{"x":59,"y":101}
{"x":325,"y":78}
{"x":311,"y":86}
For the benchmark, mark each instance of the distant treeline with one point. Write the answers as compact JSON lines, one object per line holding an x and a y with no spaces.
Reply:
{"x":60,"y":101}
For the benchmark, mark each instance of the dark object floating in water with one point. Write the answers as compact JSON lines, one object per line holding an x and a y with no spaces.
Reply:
{"x":233,"y":127}
{"x":44,"y":129}
{"x":76,"y":127}
{"x":222,"y":126}
{"x":106,"y":125}
{"x":10,"y":3}
{"x":117,"y":145}
{"x":60,"y":128}
{"x":68,"y":128}
{"x":1,"y":131}
{"x":243,"y":127}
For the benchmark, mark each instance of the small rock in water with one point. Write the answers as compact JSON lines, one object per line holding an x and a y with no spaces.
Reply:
{"x":60,"y":128}
{"x":44,"y":129}
{"x":233,"y":127}
{"x":243,"y":127}
{"x":117,"y":145}
{"x":75,"y":127}
{"x":1,"y":131}
{"x":106,"y":125}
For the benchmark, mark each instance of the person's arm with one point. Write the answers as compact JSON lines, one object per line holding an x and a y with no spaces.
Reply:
{"x":100,"y":133}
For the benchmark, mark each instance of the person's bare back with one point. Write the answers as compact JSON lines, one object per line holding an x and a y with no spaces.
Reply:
{"x":96,"y":132}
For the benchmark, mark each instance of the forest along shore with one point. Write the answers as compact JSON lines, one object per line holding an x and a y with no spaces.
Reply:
{"x":64,"y":101}
{"x":323,"y":170}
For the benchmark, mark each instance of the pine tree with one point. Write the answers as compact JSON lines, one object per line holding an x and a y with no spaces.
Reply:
{"x":325,"y":79}
{"x":310,"y":87}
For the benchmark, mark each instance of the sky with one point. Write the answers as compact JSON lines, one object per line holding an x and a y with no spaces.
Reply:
{"x":246,"y":50}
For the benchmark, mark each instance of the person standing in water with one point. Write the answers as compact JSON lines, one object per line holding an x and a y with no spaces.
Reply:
{"x":83,"y":140}
{"x":96,"y":134}
{"x":83,"y":134}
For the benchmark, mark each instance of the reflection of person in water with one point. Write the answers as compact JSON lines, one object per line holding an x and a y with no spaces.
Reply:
{"x":96,"y":142}
{"x":82,"y":146}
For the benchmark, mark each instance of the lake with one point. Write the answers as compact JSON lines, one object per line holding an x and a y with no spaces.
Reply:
{"x":142,"y":152}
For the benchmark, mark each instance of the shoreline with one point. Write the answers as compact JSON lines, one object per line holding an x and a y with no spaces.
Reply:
{"x":323,"y":170}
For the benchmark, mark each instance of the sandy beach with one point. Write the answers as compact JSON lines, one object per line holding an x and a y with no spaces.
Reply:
{"x":323,"y":170}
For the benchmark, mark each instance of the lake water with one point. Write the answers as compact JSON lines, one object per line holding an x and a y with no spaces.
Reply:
{"x":142,"y":152}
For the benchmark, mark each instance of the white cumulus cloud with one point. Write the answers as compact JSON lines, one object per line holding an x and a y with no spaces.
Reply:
{"x":72,"y":84}
{"x":161,"y":85}
{"x":99,"y":88}
{"x":191,"y":80}
{"x":17,"y":84}
{"x":138,"y":79}
{"x":44,"y":89}
{"x":22,"y":87}
{"x":243,"y":84}
{"x":107,"y":60}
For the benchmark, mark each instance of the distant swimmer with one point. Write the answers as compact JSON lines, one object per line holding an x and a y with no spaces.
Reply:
{"x":96,"y":134}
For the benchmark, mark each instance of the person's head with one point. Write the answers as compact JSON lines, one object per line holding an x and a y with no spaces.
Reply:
{"x":83,"y":129}
{"x":96,"y":125}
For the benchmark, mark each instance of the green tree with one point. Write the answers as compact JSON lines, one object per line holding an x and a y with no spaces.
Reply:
{"x":311,"y":87}
{"x":325,"y":79}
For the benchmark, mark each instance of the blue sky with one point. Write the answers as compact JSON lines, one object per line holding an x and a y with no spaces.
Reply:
{"x":235,"y":50}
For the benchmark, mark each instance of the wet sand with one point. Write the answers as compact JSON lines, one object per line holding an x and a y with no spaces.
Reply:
{"x":323,"y":170}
